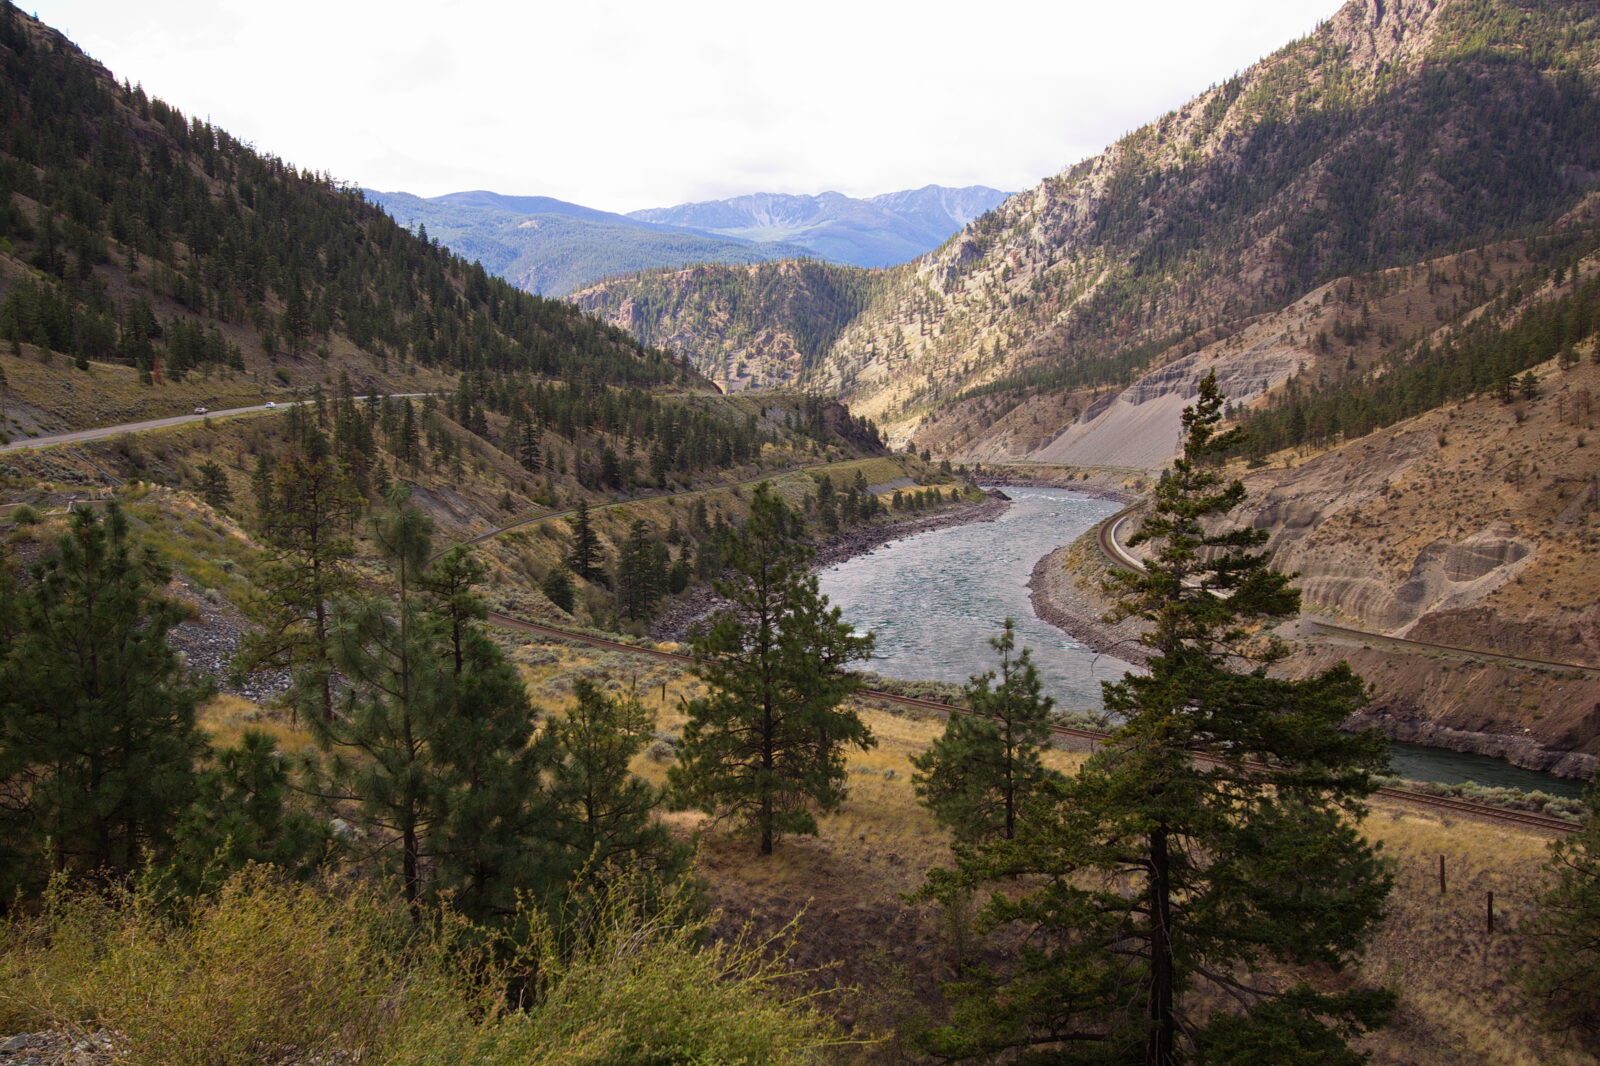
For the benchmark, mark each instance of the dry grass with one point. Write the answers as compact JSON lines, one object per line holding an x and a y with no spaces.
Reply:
{"x":52,"y":397}
{"x":225,"y":717}
{"x":1459,"y":1000}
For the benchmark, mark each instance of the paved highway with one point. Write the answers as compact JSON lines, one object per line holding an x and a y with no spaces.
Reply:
{"x":82,"y":436}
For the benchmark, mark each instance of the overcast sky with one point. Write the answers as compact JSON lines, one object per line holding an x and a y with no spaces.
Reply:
{"x":620,"y":104}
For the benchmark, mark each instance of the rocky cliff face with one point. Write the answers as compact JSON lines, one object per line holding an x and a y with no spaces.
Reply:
{"x":1399,"y":131}
{"x":1373,"y":142}
{"x":1476,"y":524}
{"x":744,"y":327}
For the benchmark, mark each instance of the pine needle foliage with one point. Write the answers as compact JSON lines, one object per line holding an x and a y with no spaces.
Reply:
{"x":1566,"y":978}
{"x":1211,"y":847}
{"x":977,"y":777}
{"x":767,"y":746}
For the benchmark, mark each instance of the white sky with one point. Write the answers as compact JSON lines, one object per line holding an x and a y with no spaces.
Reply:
{"x":622,"y":104}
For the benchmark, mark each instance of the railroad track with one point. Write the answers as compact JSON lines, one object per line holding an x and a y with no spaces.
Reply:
{"x":1105,"y":536}
{"x":1529,"y":819}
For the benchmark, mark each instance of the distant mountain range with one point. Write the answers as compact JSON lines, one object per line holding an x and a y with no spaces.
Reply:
{"x":554,"y":248}
{"x":877,"y":232}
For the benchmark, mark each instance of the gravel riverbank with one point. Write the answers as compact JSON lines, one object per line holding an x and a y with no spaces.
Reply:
{"x":1065,"y":591}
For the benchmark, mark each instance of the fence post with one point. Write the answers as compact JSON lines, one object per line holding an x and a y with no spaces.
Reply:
{"x":1441,"y":875}
{"x":1488,"y":913}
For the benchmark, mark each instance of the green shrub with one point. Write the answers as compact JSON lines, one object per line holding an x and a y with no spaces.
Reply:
{"x":271,"y":970}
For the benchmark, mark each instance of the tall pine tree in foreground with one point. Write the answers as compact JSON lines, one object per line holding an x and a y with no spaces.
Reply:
{"x":97,"y":720}
{"x":431,"y":744}
{"x":1194,"y":893}
{"x":977,"y":776}
{"x":766,"y":747}
{"x":1566,"y":978}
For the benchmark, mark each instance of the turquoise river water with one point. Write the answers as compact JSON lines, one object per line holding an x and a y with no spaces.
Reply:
{"x":934,"y":599}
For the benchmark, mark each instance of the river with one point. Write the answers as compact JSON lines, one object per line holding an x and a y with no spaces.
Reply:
{"x":934,"y":599}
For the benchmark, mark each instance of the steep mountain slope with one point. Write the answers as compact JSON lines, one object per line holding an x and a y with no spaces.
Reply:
{"x":133,"y":235}
{"x":749,"y":327}
{"x":548,"y":246}
{"x":876,"y":232}
{"x":1399,"y":131}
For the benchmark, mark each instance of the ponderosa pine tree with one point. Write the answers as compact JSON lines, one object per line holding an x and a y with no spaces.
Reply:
{"x":767,"y":745}
{"x":1565,"y":980}
{"x":214,"y":487}
{"x":244,"y":812}
{"x":1213,"y":841}
{"x":604,"y":812}
{"x":97,"y":720}
{"x":409,"y":450}
{"x":311,"y":506}
{"x":490,"y":807}
{"x":584,"y":558}
{"x":641,"y":574}
{"x":432,"y":737}
{"x":980,"y":773}
{"x":528,"y":447}
{"x":557,"y":588}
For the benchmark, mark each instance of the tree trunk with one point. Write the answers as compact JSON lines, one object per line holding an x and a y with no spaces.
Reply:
{"x":766,"y":779}
{"x":1160,"y":1049}
{"x":409,"y":869}
{"x":322,"y":638}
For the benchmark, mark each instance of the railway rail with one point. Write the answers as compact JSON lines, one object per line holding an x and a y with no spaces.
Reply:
{"x":1105,"y":535}
{"x":1529,"y":819}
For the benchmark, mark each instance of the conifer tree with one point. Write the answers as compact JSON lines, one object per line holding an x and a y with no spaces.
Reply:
{"x":604,"y":813}
{"x":1212,"y":842}
{"x":1565,"y":980}
{"x":827,"y":504}
{"x":528,"y":447}
{"x":214,"y":487}
{"x":410,"y":442}
{"x":641,"y":577}
{"x":584,"y":559}
{"x":311,"y":506}
{"x":97,"y":721}
{"x":433,"y":736}
{"x":244,"y":812}
{"x":979,"y":774}
{"x":767,"y":745}
{"x":489,"y":806}
{"x":557,"y":588}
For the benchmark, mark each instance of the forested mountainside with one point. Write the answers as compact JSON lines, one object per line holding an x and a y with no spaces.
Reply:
{"x":748,"y":327}
{"x":134,"y":235}
{"x":1396,"y":133}
{"x":552,"y":248}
